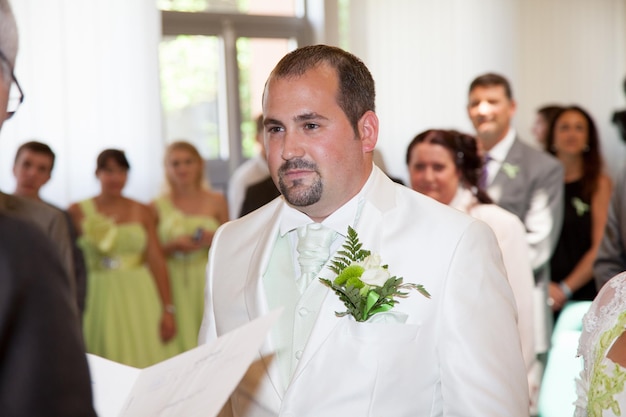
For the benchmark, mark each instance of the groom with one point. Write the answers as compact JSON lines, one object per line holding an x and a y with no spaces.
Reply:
{"x":457,"y":353}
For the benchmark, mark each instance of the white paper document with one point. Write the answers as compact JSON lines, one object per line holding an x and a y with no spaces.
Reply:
{"x":195,"y":383}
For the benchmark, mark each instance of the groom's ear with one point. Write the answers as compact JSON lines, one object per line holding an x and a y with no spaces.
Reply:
{"x":368,"y":131}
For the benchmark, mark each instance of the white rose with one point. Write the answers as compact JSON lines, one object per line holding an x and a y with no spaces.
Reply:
{"x":370,"y":262}
{"x":374,"y":274}
{"x":376,"y":277}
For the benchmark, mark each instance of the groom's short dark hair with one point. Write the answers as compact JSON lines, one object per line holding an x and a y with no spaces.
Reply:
{"x":357,"y":93}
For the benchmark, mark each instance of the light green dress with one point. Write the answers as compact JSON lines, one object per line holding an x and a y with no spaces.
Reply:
{"x":123,"y":309}
{"x":186,"y":270}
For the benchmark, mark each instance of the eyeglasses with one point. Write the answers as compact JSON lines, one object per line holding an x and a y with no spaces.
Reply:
{"x":16,"y":95}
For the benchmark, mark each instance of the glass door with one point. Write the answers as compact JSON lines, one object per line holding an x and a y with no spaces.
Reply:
{"x":213,"y":71}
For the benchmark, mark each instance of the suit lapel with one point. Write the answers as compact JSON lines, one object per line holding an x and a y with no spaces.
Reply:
{"x":256,"y":303}
{"x":255,"y":299}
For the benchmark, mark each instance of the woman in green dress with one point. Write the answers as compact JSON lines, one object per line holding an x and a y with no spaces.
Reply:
{"x":188,"y":214}
{"x":129,"y":314}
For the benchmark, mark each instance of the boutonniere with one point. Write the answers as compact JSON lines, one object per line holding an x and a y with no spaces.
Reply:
{"x":364,"y":285}
{"x":510,"y":170}
{"x":580,"y":206}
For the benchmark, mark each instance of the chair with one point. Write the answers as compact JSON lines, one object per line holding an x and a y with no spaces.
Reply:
{"x":558,"y":386}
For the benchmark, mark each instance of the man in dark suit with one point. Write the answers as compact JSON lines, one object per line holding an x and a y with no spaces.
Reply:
{"x":258,"y":194}
{"x":611,"y":257}
{"x":32,"y":170}
{"x":43,"y":367}
{"x":51,"y":221}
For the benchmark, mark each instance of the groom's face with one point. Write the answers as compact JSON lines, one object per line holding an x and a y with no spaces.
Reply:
{"x":314,"y":155}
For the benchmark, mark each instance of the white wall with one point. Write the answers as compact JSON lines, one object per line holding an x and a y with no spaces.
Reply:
{"x":90,"y":78}
{"x":424,"y":53}
{"x":575,"y":52}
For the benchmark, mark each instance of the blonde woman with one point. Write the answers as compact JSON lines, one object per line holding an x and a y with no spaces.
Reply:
{"x":188,"y":214}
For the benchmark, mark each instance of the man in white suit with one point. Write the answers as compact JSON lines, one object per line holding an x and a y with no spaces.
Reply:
{"x":455,"y":354}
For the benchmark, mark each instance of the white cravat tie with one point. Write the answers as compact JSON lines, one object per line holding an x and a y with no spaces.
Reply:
{"x":313,"y":247}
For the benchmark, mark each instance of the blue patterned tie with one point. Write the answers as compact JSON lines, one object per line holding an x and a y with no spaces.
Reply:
{"x":313,"y":248}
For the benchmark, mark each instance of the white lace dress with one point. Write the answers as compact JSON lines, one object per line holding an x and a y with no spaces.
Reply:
{"x":600,"y":388}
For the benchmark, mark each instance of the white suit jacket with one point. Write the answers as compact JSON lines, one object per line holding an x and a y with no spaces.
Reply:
{"x":511,"y":236}
{"x":458,"y":354}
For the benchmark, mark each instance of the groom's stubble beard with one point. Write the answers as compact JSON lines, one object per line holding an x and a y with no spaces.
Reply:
{"x":298,"y":194}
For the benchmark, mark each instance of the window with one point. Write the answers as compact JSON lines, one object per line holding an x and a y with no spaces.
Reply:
{"x":213,"y":68}
{"x":189,"y":96}
{"x":254,"y":7}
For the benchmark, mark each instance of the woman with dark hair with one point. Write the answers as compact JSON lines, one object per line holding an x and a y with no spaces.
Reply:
{"x":188,"y":214}
{"x":129,"y":315}
{"x":446,"y":165}
{"x":573,"y":139}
